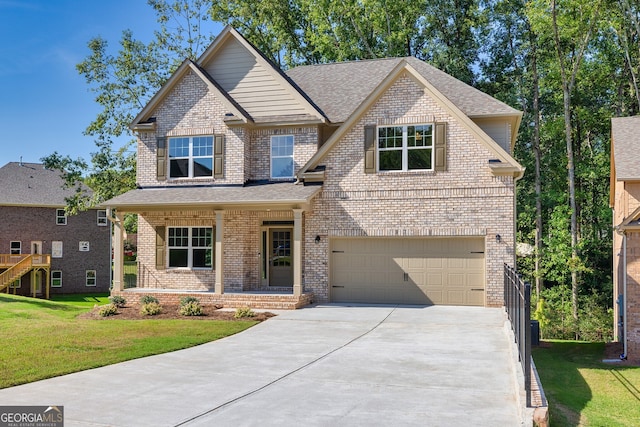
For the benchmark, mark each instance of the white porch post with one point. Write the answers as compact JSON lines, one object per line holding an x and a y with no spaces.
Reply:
{"x":219,"y":265}
{"x":297,"y":252}
{"x":118,"y":252}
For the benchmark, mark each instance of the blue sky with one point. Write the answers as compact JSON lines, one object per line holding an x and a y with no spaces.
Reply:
{"x":45,"y":105}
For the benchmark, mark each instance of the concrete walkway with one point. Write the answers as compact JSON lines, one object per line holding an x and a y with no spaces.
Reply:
{"x":321,"y":366}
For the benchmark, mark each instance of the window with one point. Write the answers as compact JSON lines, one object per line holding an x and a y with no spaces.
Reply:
{"x":16,"y":284}
{"x":190,"y":247}
{"x":56,"y":279}
{"x":282,"y":156}
{"x":15,"y":248}
{"x":90,"y":278}
{"x":102,"y":218}
{"x":404,"y":148}
{"x":191,"y":157}
{"x":56,"y":249}
{"x":61,"y":217}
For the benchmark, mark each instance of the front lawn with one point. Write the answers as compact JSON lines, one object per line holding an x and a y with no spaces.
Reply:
{"x":82,"y":300}
{"x":584,"y":391}
{"x":42,"y":339}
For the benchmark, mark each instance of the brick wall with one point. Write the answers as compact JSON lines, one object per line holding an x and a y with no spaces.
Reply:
{"x":466,"y":200}
{"x":31,"y":224}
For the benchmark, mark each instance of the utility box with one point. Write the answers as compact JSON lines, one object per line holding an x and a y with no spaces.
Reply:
{"x":535,"y":333}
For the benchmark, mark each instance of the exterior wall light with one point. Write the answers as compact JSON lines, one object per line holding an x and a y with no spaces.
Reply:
{"x":317,"y":238}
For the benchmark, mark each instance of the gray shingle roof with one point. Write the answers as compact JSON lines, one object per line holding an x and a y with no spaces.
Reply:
{"x":273,"y":193}
{"x":30,"y":184}
{"x":339,"y":88}
{"x":625,"y":133}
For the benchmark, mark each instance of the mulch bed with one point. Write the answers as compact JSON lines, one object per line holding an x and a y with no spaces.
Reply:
{"x":211,"y":312}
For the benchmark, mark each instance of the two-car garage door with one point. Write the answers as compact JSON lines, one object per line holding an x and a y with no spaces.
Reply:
{"x":408,"y":270}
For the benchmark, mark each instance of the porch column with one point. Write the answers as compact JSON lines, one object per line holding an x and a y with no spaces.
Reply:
{"x":117,"y":246}
{"x":219,"y":265}
{"x":297,"y":252}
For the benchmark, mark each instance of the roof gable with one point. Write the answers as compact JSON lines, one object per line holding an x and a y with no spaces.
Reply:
{"x":166,"y":89}
{"x":260,"y":87}
{"x":507,"y":163}
{"x":625,"y":141}
{"x":30,"y":184}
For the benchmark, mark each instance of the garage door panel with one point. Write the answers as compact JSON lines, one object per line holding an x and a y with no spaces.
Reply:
{"x":408,"y":270}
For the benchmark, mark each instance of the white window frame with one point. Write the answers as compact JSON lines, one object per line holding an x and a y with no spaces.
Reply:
{"x":405,"y":148}
{"x":61,"y":217}
{"x":90,"y":276}
{"x":12,"y":249}
{"x":280,"y":155}
{"x":53,"y":278}
{"x":190,"y":247}
{"x":101,"y":217}
{"x":190,"y":157}
{"x":16,"y":284}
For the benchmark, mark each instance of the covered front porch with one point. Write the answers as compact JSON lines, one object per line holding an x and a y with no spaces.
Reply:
{"x":252,"y":253}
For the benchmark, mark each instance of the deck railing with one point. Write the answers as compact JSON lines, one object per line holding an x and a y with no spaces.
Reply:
{"x":19,"y":265}
{"x":517,"y":303}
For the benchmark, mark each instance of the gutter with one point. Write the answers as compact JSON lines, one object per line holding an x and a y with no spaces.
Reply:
{"x":623,"y":233}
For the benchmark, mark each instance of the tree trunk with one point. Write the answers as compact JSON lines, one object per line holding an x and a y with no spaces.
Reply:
{"x":538,"y":155}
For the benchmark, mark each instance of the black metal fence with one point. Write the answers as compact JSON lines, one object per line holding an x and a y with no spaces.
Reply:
{"x":517,"y":303}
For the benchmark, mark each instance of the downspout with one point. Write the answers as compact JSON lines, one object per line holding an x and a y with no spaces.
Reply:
{"x":623,"y":307}
{"x":623,"y":356}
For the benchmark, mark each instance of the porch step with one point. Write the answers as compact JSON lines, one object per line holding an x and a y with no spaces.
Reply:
{"x":255,"y":300}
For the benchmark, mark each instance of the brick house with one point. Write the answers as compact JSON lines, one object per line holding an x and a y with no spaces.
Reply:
{"x":42,"y":250}
{"x":378,"y":181}
{"x":625,"y":201}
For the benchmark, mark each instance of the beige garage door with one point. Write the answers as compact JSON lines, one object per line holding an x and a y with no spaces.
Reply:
{"x":408,"y":271}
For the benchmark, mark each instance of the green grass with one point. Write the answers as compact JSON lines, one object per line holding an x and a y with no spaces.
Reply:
{"x":584,"y":391}
{"x":42,"y":339}
{"x":82,"y":300}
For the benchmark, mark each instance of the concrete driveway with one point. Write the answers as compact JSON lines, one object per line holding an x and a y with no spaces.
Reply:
{"x":327,"y":365}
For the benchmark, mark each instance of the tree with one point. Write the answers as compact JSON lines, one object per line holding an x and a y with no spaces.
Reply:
{"x":123,"y":84}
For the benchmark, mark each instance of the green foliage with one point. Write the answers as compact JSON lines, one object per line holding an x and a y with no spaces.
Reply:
{"x":191,"y":308}
{"x":189,"y":299}
{"x":118,"y":300}
{"x":108,"y":310}
{"x":243,"y":312}
{"x":554,"y":312}
{"x":151,"y":309}
{"x":146,"y":299}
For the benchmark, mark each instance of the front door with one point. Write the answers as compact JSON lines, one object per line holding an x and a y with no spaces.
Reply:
{"x":36,"y":249}
{"x":280,"y":260}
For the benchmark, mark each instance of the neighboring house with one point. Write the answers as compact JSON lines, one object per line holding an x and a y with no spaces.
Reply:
{"x":42,"y":250}
{"x":378,"y":181}
{"x":625,"y":201}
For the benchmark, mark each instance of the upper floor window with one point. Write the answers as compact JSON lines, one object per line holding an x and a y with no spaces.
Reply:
{"x":190,"y":247}
{"x":102,"y":217}
{"x":404,"y":148}
{"x":191,"y":157}
{"x":15,"y":248}
{"x":282,"y":156}
{"x":61,"y":217}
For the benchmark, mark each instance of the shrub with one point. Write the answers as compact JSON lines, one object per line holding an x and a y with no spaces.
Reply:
{"x":188,"y":299}
{"x":244,"y":312}
{"x":118,"y":300}
{"x":151,"y":309}
{"x":108,"y":310}
{"x":191,"y":308}
{"x":149,"y":299}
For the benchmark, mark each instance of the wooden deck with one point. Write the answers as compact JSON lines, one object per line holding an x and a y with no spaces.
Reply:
{"x":17,"y":265}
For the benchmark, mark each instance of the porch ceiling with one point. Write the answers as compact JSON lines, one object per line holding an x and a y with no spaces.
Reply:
{"x":285,"y":195}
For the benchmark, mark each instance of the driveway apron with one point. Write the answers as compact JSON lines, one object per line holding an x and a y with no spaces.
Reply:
{"x":323,"y":365}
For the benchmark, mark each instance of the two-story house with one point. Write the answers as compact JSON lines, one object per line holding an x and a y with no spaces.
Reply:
{"x":42,"y":250}
{"x":377,"y":181}
{"x":625,"y":201}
